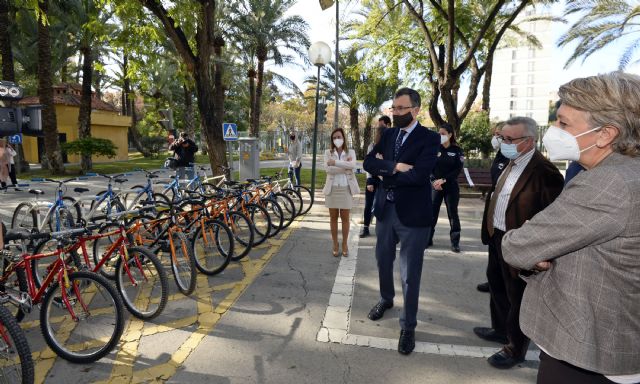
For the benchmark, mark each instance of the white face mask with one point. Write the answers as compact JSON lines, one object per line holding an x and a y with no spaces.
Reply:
{"x":444,"y":139}
{"x":495,"y":143}
{"x":338,"y":142}
{"x":562,"y":145}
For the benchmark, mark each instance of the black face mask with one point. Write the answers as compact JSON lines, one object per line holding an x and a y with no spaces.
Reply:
{"x":402,"y":121}
{"x":292,"y":137}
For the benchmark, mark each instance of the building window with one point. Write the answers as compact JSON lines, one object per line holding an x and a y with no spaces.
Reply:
{"x":514,"y":67}
{"x":530,"y":114}
{"x":513,"y":105}
{"x":514,"y":54}
{"x":530,"y":92}
{"x":514,"y":80}
{"x":532,"y":52}
{"x":531,"y":66}
{"x":514,"y":92}
{"x":529,"y":104}
{"x":531,"y":79}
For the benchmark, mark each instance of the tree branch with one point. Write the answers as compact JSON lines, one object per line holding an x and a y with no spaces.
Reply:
{"x":450,"y":39}
{"x":429,"y":40}
{"x":174,"y":32}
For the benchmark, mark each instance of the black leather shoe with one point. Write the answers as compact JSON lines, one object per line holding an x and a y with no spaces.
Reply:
{"x":455,"y":248}
{"x":504,"y":360}
{"x":490,"y":334}
{"x":364,"y":232}
{"x":407,"y":342}
{"x":378,"y":310}
{"x":484,"y":287}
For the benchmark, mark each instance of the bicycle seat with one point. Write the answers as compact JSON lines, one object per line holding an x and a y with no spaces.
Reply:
{"x":80,"y":190}
{"x":152,"y":176}
{"x":252,"y":180}
{"x":118,"y":180}
{"x":231,"y":182}
{"x":36,"y":191}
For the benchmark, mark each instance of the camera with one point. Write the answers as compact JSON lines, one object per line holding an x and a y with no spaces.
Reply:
{"x":27,"y":120}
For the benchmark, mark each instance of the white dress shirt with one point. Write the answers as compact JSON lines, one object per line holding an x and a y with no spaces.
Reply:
{"x":408,"y":129}
{"x":518,"y":167}
{"x":340,"y":180}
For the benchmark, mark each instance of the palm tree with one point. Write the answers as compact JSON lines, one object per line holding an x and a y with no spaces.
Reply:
{"x":53,"y":154}
{"x":269,"y":36}
{"x":602,"y":23}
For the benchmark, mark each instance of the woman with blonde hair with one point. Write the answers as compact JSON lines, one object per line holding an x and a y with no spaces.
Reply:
{"x":340,"y":187}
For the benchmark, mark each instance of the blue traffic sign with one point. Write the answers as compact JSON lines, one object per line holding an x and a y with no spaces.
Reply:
{"x":230,"y":131}
{"x":15,"y":139}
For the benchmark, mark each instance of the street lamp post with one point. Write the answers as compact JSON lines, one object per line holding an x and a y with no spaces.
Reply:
{"x":320,"y":55}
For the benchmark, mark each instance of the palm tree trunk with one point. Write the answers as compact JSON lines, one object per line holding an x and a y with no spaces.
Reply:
{"x":251,"y":75}
{"x":129,"y":109}
{"x":84,"y":116}
{"x":259,"y":89}
{"x":355,"y":130}
{"x":53,"y":154}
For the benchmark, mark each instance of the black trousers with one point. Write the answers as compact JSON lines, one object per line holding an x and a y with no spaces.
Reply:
{"x":506,"y":290}
{"x":368,"y":206}
{"x":450,"y":194}
{"x":12,"y":174}
{"x":552,"y":371}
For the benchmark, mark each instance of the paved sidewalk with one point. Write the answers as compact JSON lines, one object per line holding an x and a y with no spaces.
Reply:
{"x":292,"y":313}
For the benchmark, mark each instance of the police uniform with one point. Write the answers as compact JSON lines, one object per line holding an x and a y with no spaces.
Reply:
{"x":448,"y":166}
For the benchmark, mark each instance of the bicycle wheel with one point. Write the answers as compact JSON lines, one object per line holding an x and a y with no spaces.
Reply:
{"x":97,"y":322}
{"x":243,"y":234}
{"x":102,"y":208}
{"x":288,"y":209}
{"x":100,"y":247}
{"x":183,"y":263}
{"x":142,"y":283}
{"x":61,"y":219}
{"x":74,"y":208}
{"x":128,"y":198}
{"x":275,"y":213}
{"x":24,"y":217}
{"x":209,"y":189}
{"x":15,"y":282}
{"x":41,"y":267}
{"x":13,"y":343}
{"x":212,"y":247}
{"x":307,"y":198}
{"x":296,"y":198}
{"x":260,"y":221}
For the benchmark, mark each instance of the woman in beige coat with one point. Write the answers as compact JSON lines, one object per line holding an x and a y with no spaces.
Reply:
{"x":5,"y":159}
{"x":340,"y":187}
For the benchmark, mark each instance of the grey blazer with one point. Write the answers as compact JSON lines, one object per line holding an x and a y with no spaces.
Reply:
{"x":585,"y":310}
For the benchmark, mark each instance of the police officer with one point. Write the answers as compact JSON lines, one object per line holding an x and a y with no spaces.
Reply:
{"x":445,"y":183}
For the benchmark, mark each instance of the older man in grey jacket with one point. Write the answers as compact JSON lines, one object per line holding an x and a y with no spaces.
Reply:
{"x":581,"y":305}
{"x":295,"y":157}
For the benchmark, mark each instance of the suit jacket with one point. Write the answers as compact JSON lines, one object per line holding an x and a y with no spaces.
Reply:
{"x":412,"y":189}
{"x":341,"y":167}
{"x":537,"y":187}
{"x":585,"y":310}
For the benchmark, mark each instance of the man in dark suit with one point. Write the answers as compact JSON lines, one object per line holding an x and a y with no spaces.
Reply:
{"x":527,"y":185}
{"x":404,"y":157}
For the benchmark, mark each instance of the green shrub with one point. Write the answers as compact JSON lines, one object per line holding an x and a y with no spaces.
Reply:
{"x":91,"y":146}
{"x":153,"y":144}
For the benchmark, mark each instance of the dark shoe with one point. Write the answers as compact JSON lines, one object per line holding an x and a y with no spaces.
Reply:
{"x":504,"y":360}
{"x":484,"y":287}
{"x":455,"y":248}
{"x":407,"y":342}
{"x":490,"y":334}
{"x":364,"y":232}
{"x":378,"y":310}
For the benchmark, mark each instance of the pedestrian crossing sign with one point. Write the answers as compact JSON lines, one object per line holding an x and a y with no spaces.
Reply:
{"x":230,"y":131}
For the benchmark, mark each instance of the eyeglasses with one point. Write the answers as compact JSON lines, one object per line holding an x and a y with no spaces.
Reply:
{"x":502,"y":139}
{"x":399,"y":109}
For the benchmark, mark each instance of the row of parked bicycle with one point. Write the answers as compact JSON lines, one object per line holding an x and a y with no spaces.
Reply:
{"x":83,"y":267}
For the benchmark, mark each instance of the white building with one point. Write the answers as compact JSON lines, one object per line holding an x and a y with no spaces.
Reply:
{"x":521,"y":84}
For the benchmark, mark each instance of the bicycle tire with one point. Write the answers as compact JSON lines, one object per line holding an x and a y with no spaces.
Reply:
{"x":101,"y":210}
{"x":40,"y":266}
{"x":129,"y":197}
{"x":209,"y":189}
{"x":149,"y":287}
{"x":296,"y":198}
{"x":14,"y":342}
{"x":65,"y":219}
{"x":243,"y":234}
{"x":288,"y":209}
{"x":74,"y":208}
{"x":261,"y":222}
{"x":275,"y":212}
{"x":24,"y":217}
{"x":16,"y":281}
{"x":212,"y":247}
{"x":106,"y":318}
{"x":307,"y":198}
{"x":183,"y":264}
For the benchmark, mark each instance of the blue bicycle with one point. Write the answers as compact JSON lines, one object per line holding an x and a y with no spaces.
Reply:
{"x":140,"y":195}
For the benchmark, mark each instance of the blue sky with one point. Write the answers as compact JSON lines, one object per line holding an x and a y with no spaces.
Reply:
{"x":322,"y":28}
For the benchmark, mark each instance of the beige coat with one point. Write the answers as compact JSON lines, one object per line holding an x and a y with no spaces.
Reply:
{"x":341,"y":167}
{"x":5,"y":159}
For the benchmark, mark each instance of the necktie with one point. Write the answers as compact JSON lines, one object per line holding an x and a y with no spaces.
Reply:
{"x":495,"y":196}
{"x":396,"y":151}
